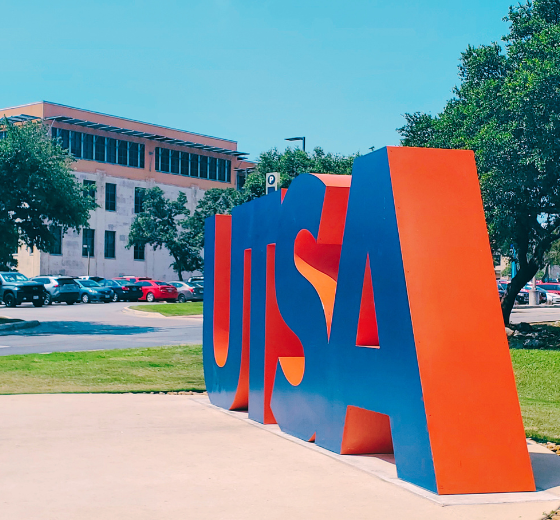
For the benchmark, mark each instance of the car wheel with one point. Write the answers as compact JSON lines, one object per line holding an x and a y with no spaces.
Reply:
{"x":85,"y":298}
{"x":115,"y":297}
{"x":10,"y":300}
{"x":181,"y":298}
{"x":37,"y":304}
{"x":47,"y":300}
{"x":150,"y":297}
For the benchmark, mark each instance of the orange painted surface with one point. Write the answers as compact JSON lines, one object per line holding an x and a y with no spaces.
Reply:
{"x":280,"y":340}
{"x":318,"y":260}
{"x":241,"y":400}
{"x":366,"y":432}
{"x":222,"y":279}
{"x":367,"y":335}
{"x":465,"y":367}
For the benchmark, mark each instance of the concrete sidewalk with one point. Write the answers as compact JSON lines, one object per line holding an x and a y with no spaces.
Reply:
{"x":170,"y":457}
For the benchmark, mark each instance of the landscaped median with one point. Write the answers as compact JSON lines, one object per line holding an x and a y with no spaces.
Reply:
{"x":171,"y":309}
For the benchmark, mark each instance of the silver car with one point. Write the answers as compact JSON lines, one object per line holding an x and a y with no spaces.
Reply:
{"x":188,"y":292}
{"x":59,"y":289}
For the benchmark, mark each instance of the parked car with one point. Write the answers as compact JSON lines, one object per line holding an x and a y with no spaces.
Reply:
{"x":157,"y":290}
{"x":123,"y":290}
{"x":542,"y":294}
{"x":132,"y":279}
{"x":16,"y":288}
{"x":553,"y":288}
{"x":188,"y":291}
{"x":197,"y":280}
{"x":91,"y":291}
{"x":60,"y":289}
{"x":551,"y":298}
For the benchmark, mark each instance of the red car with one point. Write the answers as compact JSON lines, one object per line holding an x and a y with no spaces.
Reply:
{"x":550,"y":287}
{"x":157,"y":290}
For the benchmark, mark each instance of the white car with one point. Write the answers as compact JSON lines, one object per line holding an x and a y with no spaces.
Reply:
{"x":551,"y":298}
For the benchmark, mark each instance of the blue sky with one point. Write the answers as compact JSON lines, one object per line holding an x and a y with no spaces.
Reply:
{"x":256,"y":71}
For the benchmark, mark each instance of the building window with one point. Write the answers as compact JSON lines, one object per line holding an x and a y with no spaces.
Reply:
{"x":100,"y":148}
{"x":212,"y":170}
{"x":110,"y":244}
{"x":122,"y":152}
{"x":133,"y":154}
{"x":112,"y":151}
{"x":203,"y":166}
{"x":88,"y":146}
{"x":76,"y":146}
{"x":110,"y":197}
{"x":174,"y":161}
{"x":57,"y":246}
{"x":139,"y":199}
{"x":194,"y":165}
{"x":139,"y":252}
{"x":164,"y":160}
{"x":89,"y":189}
{"x":184,"y":163}
{"x":191,"y":164}
{"x":88,"y":242}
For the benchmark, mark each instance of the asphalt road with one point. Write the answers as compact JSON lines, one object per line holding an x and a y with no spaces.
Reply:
{"x":94,"y":326}
{"x":535,"y":314}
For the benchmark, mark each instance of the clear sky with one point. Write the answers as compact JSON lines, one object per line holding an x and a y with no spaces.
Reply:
{"x":341,"y":73}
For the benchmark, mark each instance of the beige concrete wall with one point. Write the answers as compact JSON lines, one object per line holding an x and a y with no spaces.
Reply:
{"x":72,"y":263}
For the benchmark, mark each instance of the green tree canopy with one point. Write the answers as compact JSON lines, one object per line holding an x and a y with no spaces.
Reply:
{"x":507,"y":109}
{"x":166,"y":223}
{"x":291,"y":163}
{"x":38,"y":190}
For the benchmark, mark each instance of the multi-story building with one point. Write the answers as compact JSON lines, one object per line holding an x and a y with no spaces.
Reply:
{"x":116,"y":160}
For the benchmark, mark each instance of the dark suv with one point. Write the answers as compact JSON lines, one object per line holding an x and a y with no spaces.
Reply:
{"x":16,"y":288}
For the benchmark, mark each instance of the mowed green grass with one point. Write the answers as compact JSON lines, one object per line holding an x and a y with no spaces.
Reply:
{"x":537,"y":373}
{"x":158,"y":369}
{"x":176,"y":368}
{"x":172,"y":309}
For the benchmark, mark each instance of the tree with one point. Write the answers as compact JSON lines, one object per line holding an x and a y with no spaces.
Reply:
{"x":165,"y":223}
{"x":507,"y":109}
{"x":38,"y":192}
{"x":292,"y":163}
{"x":216,"y":201}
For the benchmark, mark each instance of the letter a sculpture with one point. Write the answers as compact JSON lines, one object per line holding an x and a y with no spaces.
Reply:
{"x":325,"y":312}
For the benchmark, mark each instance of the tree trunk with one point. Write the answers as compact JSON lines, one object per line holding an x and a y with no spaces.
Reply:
{"x":523,"y":276}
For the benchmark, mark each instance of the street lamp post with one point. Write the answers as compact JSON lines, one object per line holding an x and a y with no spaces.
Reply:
{"x":302,"y":139}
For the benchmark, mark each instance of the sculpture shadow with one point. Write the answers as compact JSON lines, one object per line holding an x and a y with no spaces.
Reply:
{"x":546,"y":469}
{"x":80,"y":328}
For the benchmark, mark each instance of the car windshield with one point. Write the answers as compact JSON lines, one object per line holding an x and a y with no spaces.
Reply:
{"x":88,"y":283}
{"x":551,"y":287}
{"x":66,"y":281}
{"x":122,"y":282}
{"x":176,"y":284}
{"x":162,"y":283}
{"x":14,"y":277}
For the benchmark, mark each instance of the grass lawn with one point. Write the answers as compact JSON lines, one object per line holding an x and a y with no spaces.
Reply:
{"x":167,"y":369}
{"x":537,"y":373}
{"x":172,"y":309}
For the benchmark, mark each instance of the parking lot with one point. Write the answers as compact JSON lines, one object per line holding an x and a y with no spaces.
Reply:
{"x":94,"y":326}
{"x":98,"y":326}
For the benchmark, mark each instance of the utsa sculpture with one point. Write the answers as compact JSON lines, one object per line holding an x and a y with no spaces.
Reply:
{"x":326,"y":312}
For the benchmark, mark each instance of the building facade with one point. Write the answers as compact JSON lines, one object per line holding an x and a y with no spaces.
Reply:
{"x":116,"y":160}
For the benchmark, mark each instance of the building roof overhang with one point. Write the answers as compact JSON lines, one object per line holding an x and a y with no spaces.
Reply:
{"x":23,"y":118}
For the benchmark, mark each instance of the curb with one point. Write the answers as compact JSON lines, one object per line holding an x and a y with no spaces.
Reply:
{"x":143,"y":314}
{"x":8,"y":327}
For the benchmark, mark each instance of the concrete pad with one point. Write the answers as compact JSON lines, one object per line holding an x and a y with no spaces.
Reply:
{"x":171,"y":457}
